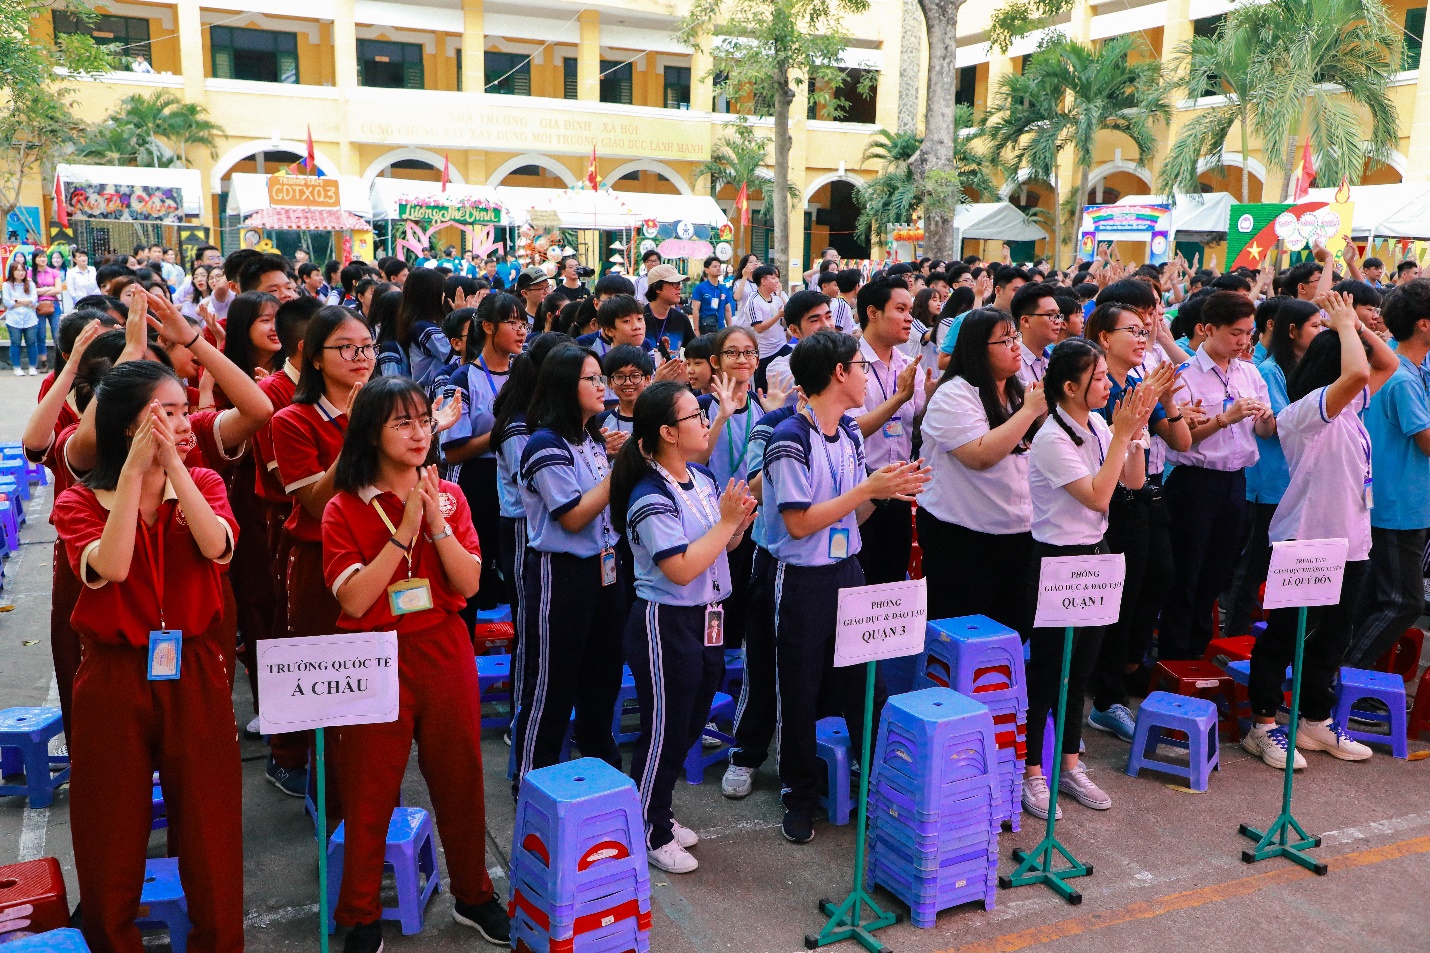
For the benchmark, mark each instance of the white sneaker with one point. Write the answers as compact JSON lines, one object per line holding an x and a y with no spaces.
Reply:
{"x":684,"y":836}
{"x":19,"y":372}
{"x":706,"y":741}
{"x":33,"y":372}
{"x":1331,"y":738}
{"x":1036,"y":797}
{"x":251,"y":729}
{"x":1075,"y":781}
{"x":672,"y":858}
{"x":737,"y":781}
{"x":1268,"y":742}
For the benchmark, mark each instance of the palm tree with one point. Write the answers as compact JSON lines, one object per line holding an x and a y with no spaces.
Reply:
{"x":1209,"y":65}
{"x":154,"y":130}
{"x":189,"y":127}
{"x":1069,"y":93}
{"x":1321,"y":64}
{"x":737,"y":159}
{"x":894,"y":194}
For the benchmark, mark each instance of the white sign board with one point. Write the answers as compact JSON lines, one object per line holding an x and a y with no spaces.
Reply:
{"x":1305,"y":572}
{"x":877,"y":622}
{"x":325,"y":680}
{"x":1080,"y":590}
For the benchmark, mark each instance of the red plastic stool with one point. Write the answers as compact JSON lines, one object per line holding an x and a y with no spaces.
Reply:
{"x":1404,"y":658}
{"x":1420,"y":714}
{"x":1236,"y":648}
{"x":1199,"y":679}
{"x":36,"y":883}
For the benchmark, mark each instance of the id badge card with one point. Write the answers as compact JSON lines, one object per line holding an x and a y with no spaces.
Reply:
{"x":839,"y":543}
{"x":894,"y":427}
{"x":166,"y":654}
{"x":1369,"y":497}
{"x":608,"y":567}
{"x":714,"y":626}
{"x":408,"y":596}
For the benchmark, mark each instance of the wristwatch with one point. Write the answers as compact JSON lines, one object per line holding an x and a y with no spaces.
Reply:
{"x":446,"y":531}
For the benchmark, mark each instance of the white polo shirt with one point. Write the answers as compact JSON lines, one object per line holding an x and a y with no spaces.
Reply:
{"x":1231,"y":448}
{"x":894,"y":441}
{"x":1329,"y":459}
{"x":1056,"y":461}
{"x":996,"y":500}
{"x":843,"y":314}
{"x":754,"y":310}
{"x":1157,"y":454}
{"x":1033,"y":366}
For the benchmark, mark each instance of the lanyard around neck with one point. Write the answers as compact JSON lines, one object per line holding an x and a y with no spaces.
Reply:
{"x":155,"y":556}
{"x":411,"y":550}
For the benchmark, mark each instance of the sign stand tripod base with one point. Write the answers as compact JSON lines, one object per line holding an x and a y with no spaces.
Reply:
{"x":1036,"y":866}
{"x":320,"y":766}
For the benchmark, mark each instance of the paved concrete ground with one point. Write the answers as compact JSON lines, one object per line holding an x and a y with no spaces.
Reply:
{"x":1168,"y":870}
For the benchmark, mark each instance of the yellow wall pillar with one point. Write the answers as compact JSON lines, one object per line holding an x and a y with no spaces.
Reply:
{"x":474,"y":43}
{"x":1418,"y":168}
{"x":702,"y":78}
{"x":476,"y":168}
{"x":588,"y":57}
{"x":1177,"y":30}
{"x":1080,"y":24}
{"x":191,"y":50}
{"x":346,"y":72}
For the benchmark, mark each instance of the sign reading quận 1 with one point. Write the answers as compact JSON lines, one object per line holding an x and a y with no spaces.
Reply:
{"x":1305,"y":572}
{"x":878,"y":622}
{"x":1080,"y":590}
{"x":324,"y":680}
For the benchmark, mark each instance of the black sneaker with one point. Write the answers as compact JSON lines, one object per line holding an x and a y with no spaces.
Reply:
{"x":489,"y":919}
{"x":798,"y":827}
{"x":364,"y":938}
{"x":291,"y":781}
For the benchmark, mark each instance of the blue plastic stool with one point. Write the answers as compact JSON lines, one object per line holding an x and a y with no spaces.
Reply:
{"x":494,"y":670}
{"x":52,"y":941}
{"x":411,"y":852}
{"x":973,"y":655}
{"x":10,"y":511}
{"x":734,"y":671}
{"x":11,"y":490}
{"x":15,"y":470}
{"x":831,"y":742}
{"x":500,"y":613}
{"x":162,"y":904}
{"x":1162,"y":712}
{"x":25,"y":733}
{"x":158,"y":812}
{"x":1357,"y":684}
{"x":698,"y":759}
{"x":626,"y":694}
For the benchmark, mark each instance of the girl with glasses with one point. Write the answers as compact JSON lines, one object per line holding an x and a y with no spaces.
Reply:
{"x":574,"y":603}
{"x":1137,"y":522}
{"x":681,"y":527}
{"x":976,"y":512}
{"x":401,"y":553}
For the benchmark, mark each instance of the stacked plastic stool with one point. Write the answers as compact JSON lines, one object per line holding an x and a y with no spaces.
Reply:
{"x":935,"y":803}
{"x":579,"y":880}
{"x":1358,"y":684}
{"x":32,"y":896}
{"x":493,"y":673}
{"x":831,"y":745}
{"x":627,"y":695}
{"x":162,"y":905}
{"x":983,"y":659}
{"x":410,"y":852}
{"x":25,"y":735}
{"x":698,"y":758}
{"x":1165,"y":719}
{"x":55,"y":941}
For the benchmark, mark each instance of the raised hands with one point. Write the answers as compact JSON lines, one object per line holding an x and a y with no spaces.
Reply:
{"x":737,"y":506}
{"x":447,"y":411}
{"x":898,"y":481}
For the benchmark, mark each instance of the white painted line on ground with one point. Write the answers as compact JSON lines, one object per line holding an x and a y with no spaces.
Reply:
{"x":35,"y":826}
{"x":1377,"y":828}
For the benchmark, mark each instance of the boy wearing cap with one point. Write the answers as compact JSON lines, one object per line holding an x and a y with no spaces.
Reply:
{"x":532,"y":286}
{"x":666,"y":322}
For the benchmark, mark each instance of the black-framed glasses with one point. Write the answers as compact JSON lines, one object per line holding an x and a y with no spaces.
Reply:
{"x":515,"y":322}
{"x":748,"y":354}
{"x":1141,"y":333}
{"x":1050,"y":315}
{"x":1010,"y":343}
{"x":703,"y":417}
{"x":860,"y":363}
{"x":406,"y":426}
{"x":352,"y":352}
{"x":635,"y":378}
{"x":595,"y":380}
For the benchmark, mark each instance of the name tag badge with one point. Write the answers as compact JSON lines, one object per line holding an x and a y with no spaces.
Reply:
{"x":166,"y":654}
{"x":839,"y":543}
{"x":408,"y":596}
{"x":1369,"y":497}
{"x":894,"y":427}
{"x":714,"y":626}
{"x":608,"y":567}
{"x":1226,"y":402}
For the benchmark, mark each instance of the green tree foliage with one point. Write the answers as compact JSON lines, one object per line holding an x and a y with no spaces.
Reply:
{"x":157,"y":130}
{"x":895,"y":193}
{"x":1223,"y":64}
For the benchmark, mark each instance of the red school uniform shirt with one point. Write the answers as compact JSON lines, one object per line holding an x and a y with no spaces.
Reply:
{"x":124,"y":613}
{"x":279,"y":388}
{"x":208,"y":450}
{"x":307,"y":438}
{"x":59,"y":464}
{"x":354,"y":534}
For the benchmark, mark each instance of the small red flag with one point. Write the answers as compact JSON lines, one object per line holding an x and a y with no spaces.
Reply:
{"x":446,"y":171}
{"x":593,"y":178}
{"x":742,"y":204}
{"x":312,"y":161}
{"x":1307,"y":174}
{"x":62,"y":214}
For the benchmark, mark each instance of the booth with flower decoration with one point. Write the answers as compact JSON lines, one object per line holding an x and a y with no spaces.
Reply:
{"x":326,"y":216}
{"x":409,"y":215}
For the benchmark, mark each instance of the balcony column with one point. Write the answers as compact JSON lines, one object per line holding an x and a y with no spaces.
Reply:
{"x":588,"y":57}
{"x":345,"y":69}
{"x":1418,"y":166}
{"x":702,"y":78}
{"x":191,"y":50}
{"x":474,"y":43}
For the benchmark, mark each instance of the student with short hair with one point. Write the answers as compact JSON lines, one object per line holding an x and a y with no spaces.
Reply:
{"x":762,"y":311}
{"x":699,"y":372}
{"x":1040,"y":321}
{"x":622,"y":321}
{"x":806,"y":312}
{"x":1330,"y":457}
{"x":682,"y":521}
{"x":628,"y":371}
{"x":1075,"y":467}
{"x":400,"y":554}
{"x":712,"y":305}
{"x":842,"y":306}
{"x":815,"y":476}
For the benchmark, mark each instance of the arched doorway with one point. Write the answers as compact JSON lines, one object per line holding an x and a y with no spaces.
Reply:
{"x":831,"y":221}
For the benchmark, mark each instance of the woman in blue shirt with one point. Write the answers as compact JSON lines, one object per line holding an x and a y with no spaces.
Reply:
{"x":575,"y":607}
{"x":419,"y":324}
{"x":681,"y":527}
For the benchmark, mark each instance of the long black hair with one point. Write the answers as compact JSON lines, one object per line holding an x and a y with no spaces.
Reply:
{"x":1070,"y":361}
{"x":495,"y":308}
{"x":386,"y":306}
{"x":237,"y":345}
{"x":970,"y":361}
{"x":1290,"y":313}
{"x":555,"y":405}
{"x":1320,"y":366}
{"x":375,"y":405}
{"x":515,"y":396}
{"x":321,"y":326}
{"x":655,"y":408}
{"x":423,"y":299}
{"x":122,"y":394}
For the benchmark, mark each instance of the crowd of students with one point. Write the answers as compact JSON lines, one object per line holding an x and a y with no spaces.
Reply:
{"x":652,"y":487}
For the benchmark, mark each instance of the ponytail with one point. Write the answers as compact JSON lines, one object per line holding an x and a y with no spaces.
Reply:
{"x":655,"y":408}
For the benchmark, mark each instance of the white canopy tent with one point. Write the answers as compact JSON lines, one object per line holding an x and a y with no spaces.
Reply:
{"x":576,"y":208}
{"x":695,"y":209}
{"x":190,"y":182}
{"x":1401,"y":210}
{"x":993,"y":221}
{"x":387,"y":194}
{"x":248,"y":192}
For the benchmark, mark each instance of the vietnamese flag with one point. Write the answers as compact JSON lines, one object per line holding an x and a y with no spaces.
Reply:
{"x":593,"y":178}
{"x":742,"y":203}
{"x":62,"y":214}
{"x":1307,"y":174}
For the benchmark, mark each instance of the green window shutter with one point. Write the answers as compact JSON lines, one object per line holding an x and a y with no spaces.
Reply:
{"x":521,"y":79}
{"x":1414,"y":38}
{"x":287,"y":67}
{"x":223,"y":62}
{"x":412,"y":74}
{"x":568,"y":70}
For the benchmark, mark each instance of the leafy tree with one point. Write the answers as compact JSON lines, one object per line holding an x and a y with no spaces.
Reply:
{"x":157,"y":129}
{"x":1019,"y":17}
{"x":1210,"y":65}
{"x":739,"y":159}
{"x":764,"y":49}
{"x":894,"y":194}
{"x":935,"y":159}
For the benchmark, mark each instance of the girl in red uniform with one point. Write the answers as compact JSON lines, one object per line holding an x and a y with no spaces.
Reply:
{"x":400,"y":553}
{"x":146,"y":537}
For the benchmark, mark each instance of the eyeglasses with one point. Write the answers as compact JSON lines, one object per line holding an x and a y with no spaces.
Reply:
{"x":626,"y":378}
{"x":352,"y":352}
{"x":406,"y":426}
{"x":746,"y":355}
{"x":703,"y":417}
{"x":1141,"y":333}
{"x":859,"y":363}
{"x":514,"y":322}
{"x":596,"y":380}
{"x":1010,"y":343}
{"x":1050,"y":315}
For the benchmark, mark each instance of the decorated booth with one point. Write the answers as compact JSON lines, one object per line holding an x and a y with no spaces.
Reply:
{"x":977,"y":223}
{"x":108,"y":209}
{"x":409,"y":215}
{"x":326,"y":216}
